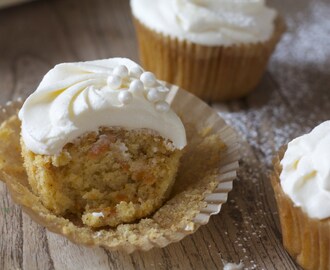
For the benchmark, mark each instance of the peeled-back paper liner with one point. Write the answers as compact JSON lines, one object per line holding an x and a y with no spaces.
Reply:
{"x":206,"y":173}
{"x":215,"y":73}
{"x":306,"y":239}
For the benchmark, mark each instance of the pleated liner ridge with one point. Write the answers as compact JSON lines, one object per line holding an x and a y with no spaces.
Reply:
{"x":213,"y":73}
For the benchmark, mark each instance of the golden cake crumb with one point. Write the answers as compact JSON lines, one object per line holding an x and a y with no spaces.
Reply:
{"x":108,"y":177}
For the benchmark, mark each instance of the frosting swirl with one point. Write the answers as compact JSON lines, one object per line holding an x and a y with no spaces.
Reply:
{"x":208,"y":22}
{"x":74,"y":98}
{"x":305,"y":175}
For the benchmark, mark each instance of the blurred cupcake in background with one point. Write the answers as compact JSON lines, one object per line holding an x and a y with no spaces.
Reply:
{"x":216,"y":49}
{"x":301,"y":182}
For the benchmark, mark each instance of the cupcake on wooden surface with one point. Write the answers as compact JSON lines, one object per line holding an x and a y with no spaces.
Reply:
{"x":100,"y":142}
{"x":217,"y":50}
{"x":85,"y":212}
{"x":301,"y":182}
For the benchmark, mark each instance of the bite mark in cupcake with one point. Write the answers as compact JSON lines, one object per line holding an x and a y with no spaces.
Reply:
{"x":100,"y":137}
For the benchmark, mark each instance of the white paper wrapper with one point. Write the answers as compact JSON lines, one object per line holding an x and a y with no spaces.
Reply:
{"x":204,"y":179}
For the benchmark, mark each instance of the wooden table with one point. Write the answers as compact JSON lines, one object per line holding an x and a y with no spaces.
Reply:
{"x":292,"y":98}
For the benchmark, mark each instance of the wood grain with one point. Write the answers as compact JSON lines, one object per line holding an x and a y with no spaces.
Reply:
{"x":36,"y":36}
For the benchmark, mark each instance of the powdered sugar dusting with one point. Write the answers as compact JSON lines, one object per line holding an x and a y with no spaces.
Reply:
{"x":293,"y":98}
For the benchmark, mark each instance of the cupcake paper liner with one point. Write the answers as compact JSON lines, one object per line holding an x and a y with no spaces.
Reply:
{"x":214,"y":73}
{"x":208,"y":168}
{"x":307,"y":240}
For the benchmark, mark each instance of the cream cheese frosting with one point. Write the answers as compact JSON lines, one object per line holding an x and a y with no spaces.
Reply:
{"x":74,"y":98}
{"x":305,"y":175}
{"x":208,"y":22}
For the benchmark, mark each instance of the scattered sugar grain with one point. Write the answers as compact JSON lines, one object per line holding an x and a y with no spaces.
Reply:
{"x":233,"y":266}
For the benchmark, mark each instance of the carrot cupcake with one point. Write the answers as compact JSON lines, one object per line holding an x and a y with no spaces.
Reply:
{"x":302,"y":188}
{"x":218,"y":50}
{"x":100,"y":142}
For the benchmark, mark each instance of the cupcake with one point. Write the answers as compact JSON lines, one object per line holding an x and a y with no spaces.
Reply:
{"x":99,"y":142}
{"x":218,"y":50}
{"x":205,"y":176}
{"x":301,"y":183}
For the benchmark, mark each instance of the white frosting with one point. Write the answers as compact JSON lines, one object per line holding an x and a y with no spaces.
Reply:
{"x":208,"y":22}
{"x":305,"y":176}
{"x":74,"y":98}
